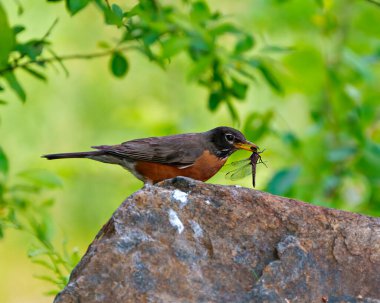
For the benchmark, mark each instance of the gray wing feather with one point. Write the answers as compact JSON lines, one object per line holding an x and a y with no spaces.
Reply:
{"x":178,"y":150}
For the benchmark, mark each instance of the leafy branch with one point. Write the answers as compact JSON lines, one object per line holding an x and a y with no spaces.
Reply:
{"x":222,"y":54}
{"x":56,"y":58}
{"x":24,"y":207}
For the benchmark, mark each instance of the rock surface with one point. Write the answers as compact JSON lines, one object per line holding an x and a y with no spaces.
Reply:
{"x":187,"y":241}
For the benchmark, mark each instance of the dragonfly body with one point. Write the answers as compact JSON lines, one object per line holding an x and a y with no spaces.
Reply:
{"x":245,"y":167}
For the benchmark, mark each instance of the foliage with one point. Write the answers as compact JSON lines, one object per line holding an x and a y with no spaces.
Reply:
{"x":24,"y":206}
{"x":340,"y":150}
{"x":160,"y":32}
{"x":330,"y":66}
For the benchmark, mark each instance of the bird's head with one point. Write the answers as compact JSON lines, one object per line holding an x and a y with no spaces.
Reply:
{"x":227,"y":140}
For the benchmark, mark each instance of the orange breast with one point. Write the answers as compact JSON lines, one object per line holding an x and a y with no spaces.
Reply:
{"x":203,"y":169}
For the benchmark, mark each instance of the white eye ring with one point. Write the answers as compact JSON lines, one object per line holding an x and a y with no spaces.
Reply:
{"x":230,"y":138}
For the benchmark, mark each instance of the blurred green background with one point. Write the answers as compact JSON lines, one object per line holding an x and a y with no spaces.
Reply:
{"x":321,"y":135}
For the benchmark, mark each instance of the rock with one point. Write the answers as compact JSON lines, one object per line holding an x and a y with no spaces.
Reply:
{"x":187,"y":241}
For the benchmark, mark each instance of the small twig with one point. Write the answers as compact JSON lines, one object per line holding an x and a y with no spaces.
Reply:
{"x":57,"y":58}
{"x":108,"y":4}
{"x":50,"y":30}
{"x":59,"y":61}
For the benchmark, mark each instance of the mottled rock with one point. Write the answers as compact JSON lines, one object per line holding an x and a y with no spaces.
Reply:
{"x":187,"y":241}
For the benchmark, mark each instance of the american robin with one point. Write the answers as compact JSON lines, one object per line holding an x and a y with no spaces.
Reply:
{"x":195,"y":155}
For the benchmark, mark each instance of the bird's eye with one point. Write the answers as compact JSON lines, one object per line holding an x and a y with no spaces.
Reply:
{"x":230,"y":138}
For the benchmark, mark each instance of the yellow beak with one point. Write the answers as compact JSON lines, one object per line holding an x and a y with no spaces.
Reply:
{"x":247,"y":146}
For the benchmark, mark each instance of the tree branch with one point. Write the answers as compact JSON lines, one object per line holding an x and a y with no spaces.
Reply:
{"x":42,"y":61}
{"x":108,"y":4}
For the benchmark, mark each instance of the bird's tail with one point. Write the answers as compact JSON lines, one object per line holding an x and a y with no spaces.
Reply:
{"x":73,"y":155}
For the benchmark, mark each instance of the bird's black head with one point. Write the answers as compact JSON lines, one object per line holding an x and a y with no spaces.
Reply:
{"x":226,"y":140}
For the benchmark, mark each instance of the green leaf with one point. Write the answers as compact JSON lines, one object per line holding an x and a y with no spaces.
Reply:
{"x":200,"y":67}
{"x":32,"y":48}
{"x":103,"y":44}
{"x":214,"y":100}
{"x":245,"y":43}
{"x":224,"y":28}
{"x":148,"y":38}
{"x":239,"y":89}
{"x":283,"y":180}
{"x":114,"y":16}
{"x":42,"y":229}
{"x":117,"y":11}
{"x":48,"y":279}
{"x":3,"y":102}
{"x":15,"y":85}
{"x":341,"y":154}
{"x":173,"y":46}
{"x":37,"y":251}
{"x":4,"y":165}
{"x":41,"y":178}
{"x":34,"y":73}
{"x":53,"y":292}
{"x":291,"y":139}
{"x":357,"y":63}
{"x":43,"y":263}
{"x":244,"y":73}
{"x":200,"y":12}
{"x":119,"y":64}
{"x":199,"y":47}
{"x":269,"y":77}
{"x":74,"y":6}
{"x":7,"y":39}
{"x":18,"y":29}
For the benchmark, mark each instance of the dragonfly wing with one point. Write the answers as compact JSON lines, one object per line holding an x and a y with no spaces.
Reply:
{"x":240,"y":162}
{"x":244,"y":168}
{"x":239,"y":172}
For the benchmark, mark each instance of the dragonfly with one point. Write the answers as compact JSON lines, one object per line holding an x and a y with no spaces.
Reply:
{"x":246,"y":167}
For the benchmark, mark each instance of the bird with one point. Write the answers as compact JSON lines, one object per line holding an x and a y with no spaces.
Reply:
{"x":195,"y":155}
